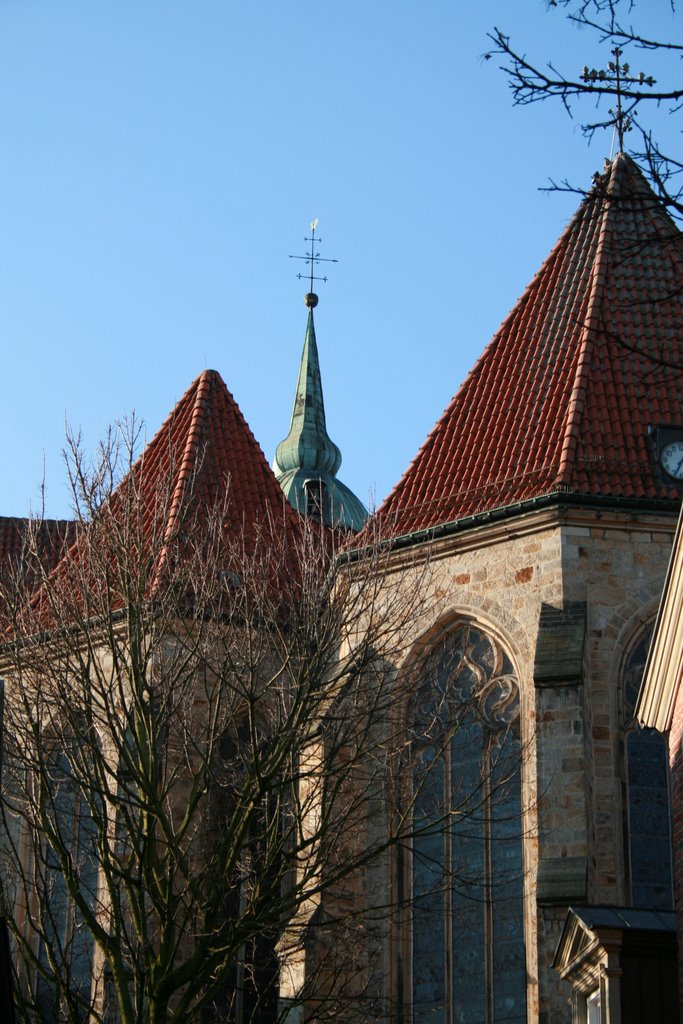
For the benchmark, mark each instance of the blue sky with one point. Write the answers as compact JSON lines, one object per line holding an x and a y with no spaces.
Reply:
{"x":159,"y":160}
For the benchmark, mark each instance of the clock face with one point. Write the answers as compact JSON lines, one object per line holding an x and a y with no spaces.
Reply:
{"x":672,"y":459}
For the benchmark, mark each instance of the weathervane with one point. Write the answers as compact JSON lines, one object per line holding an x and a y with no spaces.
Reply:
{"x":314,"y":258}
{"x":617,"y":74}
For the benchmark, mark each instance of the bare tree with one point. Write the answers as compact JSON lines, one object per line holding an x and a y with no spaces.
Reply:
{"x":204,"y":756}
{"x":618,"y":91}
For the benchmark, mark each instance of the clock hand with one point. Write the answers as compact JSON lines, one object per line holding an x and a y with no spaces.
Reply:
{"x":677,"y":470}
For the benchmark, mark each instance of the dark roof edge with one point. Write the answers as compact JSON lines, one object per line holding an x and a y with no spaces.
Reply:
{"x":558,"y":499}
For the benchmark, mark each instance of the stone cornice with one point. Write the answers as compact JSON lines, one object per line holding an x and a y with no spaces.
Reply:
{"x":490,"y":531}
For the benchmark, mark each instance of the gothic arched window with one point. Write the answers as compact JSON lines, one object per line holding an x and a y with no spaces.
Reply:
{"x":466,"y":880}
{"x":647,"y":825}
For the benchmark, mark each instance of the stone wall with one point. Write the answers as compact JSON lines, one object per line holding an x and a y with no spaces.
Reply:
{"x":565,"y":592}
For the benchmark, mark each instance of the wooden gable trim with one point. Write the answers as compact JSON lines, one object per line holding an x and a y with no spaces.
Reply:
{"x":664,"y":666}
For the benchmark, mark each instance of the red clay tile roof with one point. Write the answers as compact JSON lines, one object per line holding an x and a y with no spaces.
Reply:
{"x":205,"y":447}
{"x":203,"y":460}
{"x":562,"y":399}
{"x":52,"y":538}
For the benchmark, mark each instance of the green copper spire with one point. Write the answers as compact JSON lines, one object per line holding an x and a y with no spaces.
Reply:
{"x":306,"y":462}
{"x":308,"y":445}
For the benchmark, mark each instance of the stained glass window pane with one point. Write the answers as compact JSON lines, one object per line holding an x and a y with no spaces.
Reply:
{"x":429,"y":952}
{"x":507,"y":870}
{"x":468,"y":934}
{"x":468,"y":866}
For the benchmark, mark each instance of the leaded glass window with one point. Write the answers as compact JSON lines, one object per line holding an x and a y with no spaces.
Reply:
{"x":65,"y":943}
{"x":468,"y":961}
{"x":648,"y":829}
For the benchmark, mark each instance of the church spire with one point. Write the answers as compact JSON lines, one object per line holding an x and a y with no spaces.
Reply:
{"x":308,"y":445}
{"x":307,"y":460}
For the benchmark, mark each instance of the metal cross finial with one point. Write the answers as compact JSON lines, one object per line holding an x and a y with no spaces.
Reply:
{"x":617,"y":74}
{"x":314,"y":258}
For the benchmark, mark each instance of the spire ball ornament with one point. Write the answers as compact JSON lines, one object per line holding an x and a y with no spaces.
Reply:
{"x":311,"y":300}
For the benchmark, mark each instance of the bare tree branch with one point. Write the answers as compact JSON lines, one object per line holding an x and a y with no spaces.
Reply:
{"x":533,"y":81}
{"x":205,"y":758}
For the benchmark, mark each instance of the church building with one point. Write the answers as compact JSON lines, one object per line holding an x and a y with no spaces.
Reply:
{"x":547,"y":494}
{"x":546,"y":499}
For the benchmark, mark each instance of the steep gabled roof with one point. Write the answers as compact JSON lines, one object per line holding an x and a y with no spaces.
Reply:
{"x":201,"y":489}
{"x":563,"y":399}
{"x":205,"y":447}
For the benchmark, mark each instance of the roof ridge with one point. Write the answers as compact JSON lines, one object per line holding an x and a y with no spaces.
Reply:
{"x":589,"y":329}
{"x":199,"y":401}
{"x":188,"y":460}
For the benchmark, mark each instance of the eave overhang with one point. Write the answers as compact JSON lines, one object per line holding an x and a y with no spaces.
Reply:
{"x":554,"y":499}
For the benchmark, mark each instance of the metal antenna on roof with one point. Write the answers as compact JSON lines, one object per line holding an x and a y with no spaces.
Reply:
{"x":617,"y":74}
{"x":314,"y":258}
